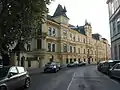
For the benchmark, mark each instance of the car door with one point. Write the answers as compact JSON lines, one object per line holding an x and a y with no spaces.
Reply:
{"x":117,"y":71}
{"x":12,"y":78}
{"x":22,"y":76}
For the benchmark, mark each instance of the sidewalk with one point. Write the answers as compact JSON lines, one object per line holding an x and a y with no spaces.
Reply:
{"x":35,"y":70}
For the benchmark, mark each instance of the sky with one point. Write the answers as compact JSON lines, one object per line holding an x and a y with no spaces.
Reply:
{"x":95,"y":11}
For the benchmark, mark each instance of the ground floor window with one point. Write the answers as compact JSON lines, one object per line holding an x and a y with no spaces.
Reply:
{"x":67,"y":60}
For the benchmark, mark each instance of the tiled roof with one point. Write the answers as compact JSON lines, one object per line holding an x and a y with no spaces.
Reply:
{"x":60,"y":11}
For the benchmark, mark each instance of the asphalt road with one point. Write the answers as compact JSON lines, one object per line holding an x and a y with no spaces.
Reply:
{"x":82,"y":78}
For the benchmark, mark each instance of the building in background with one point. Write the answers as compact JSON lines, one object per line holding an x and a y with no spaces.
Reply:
{"x":62,"y":42}
{"x":114,"y":20}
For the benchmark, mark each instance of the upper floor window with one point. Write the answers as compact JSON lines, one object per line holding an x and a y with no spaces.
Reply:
{"x":70,"y":36}
{"x":74,"y":49}
{"x":39,"y":43}
{"x":118,"y":24}
{"x":65,"y":34}
{"x":79,"y":50}
{"x":74,"y":38}
{"x":51,"y":47}
{"x":51,"y":31}
{"x":114,"y":28}
{"x":71,"y":49}
{"x":84,"y":51}
{"x":84,"y":40}
{"x":65,"y":48}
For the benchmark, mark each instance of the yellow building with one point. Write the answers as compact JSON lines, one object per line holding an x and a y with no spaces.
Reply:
{"x":64,"y":43}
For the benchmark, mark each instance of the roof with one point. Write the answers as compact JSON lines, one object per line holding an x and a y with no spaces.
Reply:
{"x":50,"y":18}
{"x":80,"y":29}
{"x":19,"y":47}
{"x":96,"y":36}
{"x":60,"y":11}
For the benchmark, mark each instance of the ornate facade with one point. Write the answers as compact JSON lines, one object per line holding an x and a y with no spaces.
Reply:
{"x":64,"y":43}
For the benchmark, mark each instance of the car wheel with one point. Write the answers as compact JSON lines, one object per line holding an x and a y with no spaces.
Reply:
{"x":3,"y":88}
{"x":27,"y":83}
{"x":55,"y":70}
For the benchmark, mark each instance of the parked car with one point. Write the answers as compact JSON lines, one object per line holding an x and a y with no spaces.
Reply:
{"x":106,"y":65}
{"x":51,"y":67}
{"x":82,"y":63}
{"x":115,"y":71}
{"x":73,"y":64}
{"x":13,"y":77}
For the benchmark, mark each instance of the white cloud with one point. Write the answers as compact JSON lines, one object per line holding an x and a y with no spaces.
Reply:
{"x":95,"y":11}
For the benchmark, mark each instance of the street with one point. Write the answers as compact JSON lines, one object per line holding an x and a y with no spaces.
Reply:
{"x":81,"y":78}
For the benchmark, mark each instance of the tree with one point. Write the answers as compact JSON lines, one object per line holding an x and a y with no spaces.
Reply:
{"x":20,"y":20}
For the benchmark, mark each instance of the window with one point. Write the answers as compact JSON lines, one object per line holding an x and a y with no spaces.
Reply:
{"x":118,"y":24}
{"x":13,"y":70}
{"x":79,"y":50}
{"x":21,"y":69}
{"x":53,"y":47}
{"x":84,"y":51}
{"x":65,"y":34}
{"x":53,"y":32}
{"x":50,"y":31}
{"x":71,"y":49}
{"x":70,"y":36}
{"x":39,"y":44}
{"x":84,"y":40}
{"x":115,"y":51}
{"x":67,"y":61}
{"x":88,"y":51}
{"x":40,"y":29}
{"x":65,"y":48}
{"x":74,"y":38}
{"x":114,"y":28}
{"x":74,"y":49}
{"x":49,"y":47}
{"x":119,"y":51}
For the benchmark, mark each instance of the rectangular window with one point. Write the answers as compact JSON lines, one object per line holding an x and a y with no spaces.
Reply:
{"x":114,"y":28}
{"x":79,"y":50}
{"x":50,"y":31}
{"x":119,"y":52}
{"x":65,"y":48}
{"x":39,"y":43}
{"x":74,"y":49}
{"x":118,"y":24}
{"x":40,"y":29}
{"x":49,"y":47}
{"x":115,"y":52}
{"x":71,"y":49}
{"x":74,"y":38}
{"x":84,"y":51}
{"x":53,"y":47}
{"x":54,"y":32}
{"x":64,"y":34}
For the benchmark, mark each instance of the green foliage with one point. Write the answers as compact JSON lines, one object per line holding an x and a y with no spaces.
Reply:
{"x":20,"y":20}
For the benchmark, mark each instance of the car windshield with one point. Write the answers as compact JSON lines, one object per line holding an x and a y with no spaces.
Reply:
{"x":3,"y":72}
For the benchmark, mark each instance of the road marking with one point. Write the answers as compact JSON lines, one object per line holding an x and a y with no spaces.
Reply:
{"x":71,"y":81}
